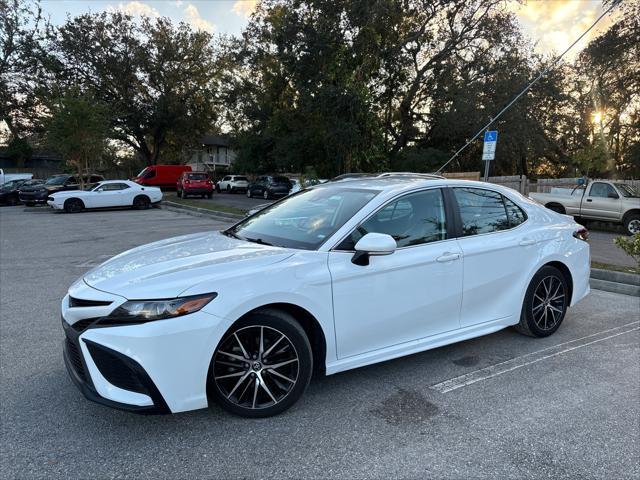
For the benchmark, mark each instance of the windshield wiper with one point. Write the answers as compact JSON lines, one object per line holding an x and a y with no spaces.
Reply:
{"x":231,"y":234}
{"x":258,"y":240}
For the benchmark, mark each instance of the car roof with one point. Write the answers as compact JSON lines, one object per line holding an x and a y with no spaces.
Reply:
{"x":406,"y":181}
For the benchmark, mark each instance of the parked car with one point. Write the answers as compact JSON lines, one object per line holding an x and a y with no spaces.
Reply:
{"x":107,"y":194}
{"x":9,"y":191}
{"x":598,"y":200}
{"x":32,"y":195}
{"x":161,"y":176}
{"x":232,"y":184}
{"x":336,"y":277}
{"x":194,"y":183}
{"x":268,"y":186}
{"x":7,"y":177}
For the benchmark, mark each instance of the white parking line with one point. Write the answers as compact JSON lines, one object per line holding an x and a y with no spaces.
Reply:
{"x":530,"y":358}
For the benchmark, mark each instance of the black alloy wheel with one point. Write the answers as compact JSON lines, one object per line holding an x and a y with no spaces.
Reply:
{"x":141,"y":202}
{"x":73,"y":205}
{"x":545,"y":303}
{"x":262,"y":365}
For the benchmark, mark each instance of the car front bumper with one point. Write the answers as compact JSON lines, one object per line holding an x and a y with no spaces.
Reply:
{"x":33,"y":197}
{"x":155,"y":367}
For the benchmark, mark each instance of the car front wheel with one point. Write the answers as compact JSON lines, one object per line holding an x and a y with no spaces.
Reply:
{"x":632,"y":223}
{"x":545,"y":303}
{"x":262,"y":366}
{"x":73,"y":205}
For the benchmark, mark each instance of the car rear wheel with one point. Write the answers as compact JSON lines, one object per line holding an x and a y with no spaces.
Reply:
{"x":210,"y":195}
{"x":179,"y":194}
{"x":545,"y":303}
{"x":556,"y":207}
{"x":632,"y":223}
{"x":262,"y":366}
{"x":73,"y":205}
{"x":141,"y":202}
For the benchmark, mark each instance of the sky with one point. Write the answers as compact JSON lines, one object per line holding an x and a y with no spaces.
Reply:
{"x":550,"y":24}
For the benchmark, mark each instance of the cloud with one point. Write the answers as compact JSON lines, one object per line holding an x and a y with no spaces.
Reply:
{"x":244,"y":8}
{"x":136,"y":8}
{"x":554,"y":25}
{"x":193,"y":17}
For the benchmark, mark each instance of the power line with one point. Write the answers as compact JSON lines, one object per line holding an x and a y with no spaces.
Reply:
{"x":545,"y":71}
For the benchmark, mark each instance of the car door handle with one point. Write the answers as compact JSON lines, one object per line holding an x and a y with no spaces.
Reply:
{"x":527,"y":241}
{"x":589,"y":200}
{"x":448,"y":257}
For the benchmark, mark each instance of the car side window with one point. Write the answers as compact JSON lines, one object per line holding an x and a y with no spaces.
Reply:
{"x":225,"y":179}
{"x":514,"y":212}
{"x":414,"y":219}
{"x":481,"y":211}
{"x":601,"y":190}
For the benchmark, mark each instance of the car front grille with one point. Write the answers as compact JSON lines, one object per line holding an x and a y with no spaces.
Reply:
{"x":81,"y":325}
{"x":76,"y":359}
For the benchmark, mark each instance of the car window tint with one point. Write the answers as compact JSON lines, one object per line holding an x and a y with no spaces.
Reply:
{"x":515,"y":213}
{"x":197,"y":176}
{"x":414,"y":219}
{"x":601,"y":190}
{"x":481,"y":211}
{"x":240,"y":179}
{"x":226,"y":179}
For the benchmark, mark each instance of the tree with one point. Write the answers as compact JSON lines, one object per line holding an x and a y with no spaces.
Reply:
{"x":19,"y":151}
{"x":78,"y":129}
{"x":157,"y":78}
{"x":22,"y":30}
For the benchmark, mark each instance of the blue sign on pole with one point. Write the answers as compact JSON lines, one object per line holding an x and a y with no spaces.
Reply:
{"x":491,"y":136}
{"x":489,"y":149}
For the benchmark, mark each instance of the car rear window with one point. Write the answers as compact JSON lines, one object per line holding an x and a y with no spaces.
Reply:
{"x":281,"y":180}
{"x":240,"y":179}
{"x":197,"y":176}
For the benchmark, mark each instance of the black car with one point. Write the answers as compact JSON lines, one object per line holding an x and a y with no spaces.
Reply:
{"x":269,"y":187}
{"x":9,"y":191}
{"x":37,"y":194}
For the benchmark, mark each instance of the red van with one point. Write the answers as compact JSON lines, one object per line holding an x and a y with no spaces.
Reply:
{"x":164,"y":176}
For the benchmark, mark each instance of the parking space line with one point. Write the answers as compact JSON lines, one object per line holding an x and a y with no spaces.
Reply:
{"x":530,"y":358}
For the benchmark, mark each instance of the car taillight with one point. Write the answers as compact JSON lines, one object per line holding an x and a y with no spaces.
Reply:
{"x":581,"y":234}
{"x":187,"y":181}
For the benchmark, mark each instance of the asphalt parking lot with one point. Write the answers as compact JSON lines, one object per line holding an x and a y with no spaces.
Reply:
{"x":501,"y":406}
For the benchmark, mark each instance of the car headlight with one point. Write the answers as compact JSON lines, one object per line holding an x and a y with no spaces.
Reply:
{"x":141,"y":311}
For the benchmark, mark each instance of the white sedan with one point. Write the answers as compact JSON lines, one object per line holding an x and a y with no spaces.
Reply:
{"x":107,"y":194}
{"x":336,"y":277}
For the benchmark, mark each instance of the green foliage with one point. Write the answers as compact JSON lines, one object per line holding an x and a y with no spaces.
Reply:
{"x":19,"y":151}
{"x":631,"y":246}
{"x":78,"y":129}
{"x":592,"y":159}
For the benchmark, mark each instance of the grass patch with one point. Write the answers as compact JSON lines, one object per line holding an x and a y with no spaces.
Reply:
{"x":614,"y":268}
{"x":214,"y":207}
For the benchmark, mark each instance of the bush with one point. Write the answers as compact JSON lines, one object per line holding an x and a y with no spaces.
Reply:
{"x":631,"y":245}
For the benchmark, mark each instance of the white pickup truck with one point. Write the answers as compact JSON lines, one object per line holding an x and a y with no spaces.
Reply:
{"x":7,"y":177}
{"x":598,"y":200}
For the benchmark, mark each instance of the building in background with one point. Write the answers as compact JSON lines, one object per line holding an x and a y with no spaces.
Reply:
{"x":214,"y":156}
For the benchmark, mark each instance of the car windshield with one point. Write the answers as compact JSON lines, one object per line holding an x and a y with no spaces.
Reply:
{"x":281,"y":180}
{"x":57,"y":180}
{"x":143,"y":172}
{"x":304,"y":220}
{"x":627,"y":190}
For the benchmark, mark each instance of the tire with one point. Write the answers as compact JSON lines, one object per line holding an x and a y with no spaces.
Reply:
{"x":179,"y":194}
{"x":218,"y":188}
{"x":556,"y":207}
{"x":252,"y":389}
{"x":229,"y":189}
{"x":210,"y":195}
{"x":141,"y":202}
{"x":13,"y":201}
{"x":545,"y":303}
{"x":632,"y":223}
{"x":30,"y":204}
{"x":265,"y":195}
{"x":73,"y":205}
{"x":249,"y":193}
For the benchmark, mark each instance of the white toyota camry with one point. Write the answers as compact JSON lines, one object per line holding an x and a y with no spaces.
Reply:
{"x":107,"y":194}
{"x":338,"y":276}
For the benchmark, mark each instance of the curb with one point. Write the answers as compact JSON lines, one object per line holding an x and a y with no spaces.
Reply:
{"x":616,"y":282}
{"x":200,"y":212}
{"x":619,"y":277}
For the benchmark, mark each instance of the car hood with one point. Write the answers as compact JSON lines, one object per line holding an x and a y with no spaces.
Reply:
{"x":167,"y":268}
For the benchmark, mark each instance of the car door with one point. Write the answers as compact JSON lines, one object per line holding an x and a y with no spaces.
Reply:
{"x":411,"y":294}
{"x":602,"y":201}
{"x":498,"y":248}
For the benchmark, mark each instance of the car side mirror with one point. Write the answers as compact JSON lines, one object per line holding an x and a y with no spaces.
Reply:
{"x":373,"y":244}
{"x":100,"y":190}
{"x":612,"y":195}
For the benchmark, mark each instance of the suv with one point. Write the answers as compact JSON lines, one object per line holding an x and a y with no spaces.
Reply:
{"x":194,"y":183}
{"x":37,"y":194}
{"x":233,"y":184}
{"x":269,"y":187}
